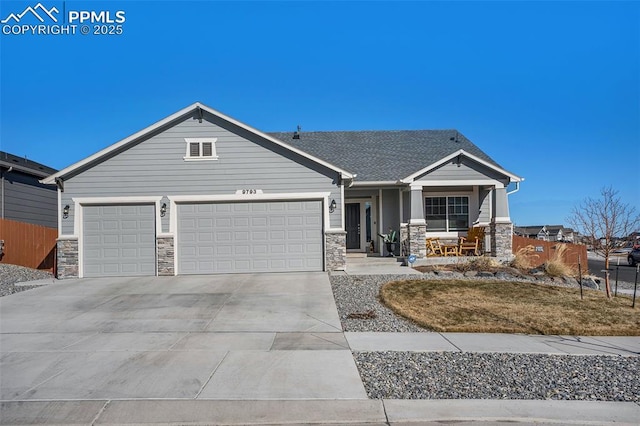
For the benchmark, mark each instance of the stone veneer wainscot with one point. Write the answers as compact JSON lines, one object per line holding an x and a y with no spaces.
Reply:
{"x":166,"y":253}
{"x":67,"y":253}
{"x":336,"y":250}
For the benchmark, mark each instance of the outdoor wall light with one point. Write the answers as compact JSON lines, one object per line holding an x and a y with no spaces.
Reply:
{"x":163,"y":209}
{"x":332,"y":206}
{"x":65,"y":212}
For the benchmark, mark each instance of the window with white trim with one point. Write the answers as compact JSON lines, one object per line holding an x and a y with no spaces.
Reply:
{"x":201,"y":149}
{"x":450,"y":213}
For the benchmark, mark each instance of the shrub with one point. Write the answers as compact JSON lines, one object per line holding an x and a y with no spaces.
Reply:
{"x":523,"y":258}
{"x":556,"y":266}
{"x":481,"y":263}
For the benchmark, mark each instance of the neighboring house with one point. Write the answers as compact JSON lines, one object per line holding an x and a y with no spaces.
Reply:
{"x":538,"y":232}
{"x":546,"y":233}
{"x":22,"y":197}
{"x":200,"y":192}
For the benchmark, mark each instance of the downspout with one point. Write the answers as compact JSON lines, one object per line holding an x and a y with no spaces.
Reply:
{"x":515,"y":190}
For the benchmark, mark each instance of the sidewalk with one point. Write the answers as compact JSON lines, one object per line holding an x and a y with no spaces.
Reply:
{"x":362,"y":412}
{"x":495,"y":342}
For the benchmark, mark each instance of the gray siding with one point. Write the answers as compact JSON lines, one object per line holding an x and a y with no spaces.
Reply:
{"x":485,"y":205}
{"x":406,"y":206}
{"x":468,"y":170}
{"x":156,"y":167}
{"x":26,"y":200}
{"x":360,"y":193}
{"x":390,"y":213}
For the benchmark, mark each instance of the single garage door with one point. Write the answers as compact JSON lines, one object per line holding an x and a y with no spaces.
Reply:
{"x":250,"y":237}
{"x":119,"y":240}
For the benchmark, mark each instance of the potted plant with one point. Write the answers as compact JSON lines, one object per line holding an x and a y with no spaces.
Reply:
{"x":390,"y":240}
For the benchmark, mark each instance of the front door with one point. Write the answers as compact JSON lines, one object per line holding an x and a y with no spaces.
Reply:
{"x":352,"y":225}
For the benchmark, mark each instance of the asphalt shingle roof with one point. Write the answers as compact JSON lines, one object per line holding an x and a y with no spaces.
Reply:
{"x":387,"y":155}
{"x":25,"y":165}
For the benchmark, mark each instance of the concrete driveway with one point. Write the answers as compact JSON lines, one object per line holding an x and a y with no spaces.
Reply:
{"x":263,"y":336}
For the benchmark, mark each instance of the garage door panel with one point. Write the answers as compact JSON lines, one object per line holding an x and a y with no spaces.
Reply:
{"x":222,"y":237}
{"x":119,"y":240}
{"x":250,"y":237}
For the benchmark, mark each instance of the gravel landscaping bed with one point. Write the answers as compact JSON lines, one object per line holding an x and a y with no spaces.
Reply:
{"x":359,"y":307}
{"x":460,"y":375}
{"x":468,"y":375}
{"x":11,"y":274}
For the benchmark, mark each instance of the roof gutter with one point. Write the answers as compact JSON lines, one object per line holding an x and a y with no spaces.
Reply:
{"x":19,"y":168}
{"x":517,"y":187}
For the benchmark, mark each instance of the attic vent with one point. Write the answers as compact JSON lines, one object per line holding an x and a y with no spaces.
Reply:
{"x":296,"y":134}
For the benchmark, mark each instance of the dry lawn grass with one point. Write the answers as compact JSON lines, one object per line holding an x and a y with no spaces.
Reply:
{"x":507,"y":307}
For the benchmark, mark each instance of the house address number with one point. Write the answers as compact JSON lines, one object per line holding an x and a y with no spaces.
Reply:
{"x":248,"y":191}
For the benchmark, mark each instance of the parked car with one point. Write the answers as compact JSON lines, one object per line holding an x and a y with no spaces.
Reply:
{"x":634,"y":257}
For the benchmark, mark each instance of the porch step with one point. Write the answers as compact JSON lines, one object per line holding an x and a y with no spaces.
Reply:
{"x":372,"y":260}
{"x":356,"y":255}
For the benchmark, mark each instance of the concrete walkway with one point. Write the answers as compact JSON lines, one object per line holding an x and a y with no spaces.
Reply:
{"x":360,"y":412}
{"x":488,"y":342}
{"x":242,"y":349}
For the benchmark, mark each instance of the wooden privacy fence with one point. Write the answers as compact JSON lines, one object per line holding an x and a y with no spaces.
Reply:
{"x":28,"y":245}
{"x":544,"y":250}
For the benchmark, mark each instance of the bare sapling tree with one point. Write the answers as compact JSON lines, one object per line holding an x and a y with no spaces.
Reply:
{"x":603,"y":219}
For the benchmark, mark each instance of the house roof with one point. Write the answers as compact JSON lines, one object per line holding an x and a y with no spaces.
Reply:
{"x":136,"y":137}
{"x":529,"y":230}
{"x":389,"y":155}
{"x":24,"y":165}
{"x":374,"y":156}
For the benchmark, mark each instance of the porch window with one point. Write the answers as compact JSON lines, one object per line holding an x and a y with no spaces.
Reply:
{"x":447,"y":213}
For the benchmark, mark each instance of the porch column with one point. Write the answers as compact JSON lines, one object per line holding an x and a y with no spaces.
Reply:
{"x":501,"y":227}
{"x":417,"y":228}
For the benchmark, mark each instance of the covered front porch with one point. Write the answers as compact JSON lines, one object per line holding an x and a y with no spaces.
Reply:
{"x":418,"y":213}
{"x":442,"y":201}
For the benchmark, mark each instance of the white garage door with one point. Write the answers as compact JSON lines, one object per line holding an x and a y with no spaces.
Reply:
{"x":250,"y":237}
{"x":119,"y":240}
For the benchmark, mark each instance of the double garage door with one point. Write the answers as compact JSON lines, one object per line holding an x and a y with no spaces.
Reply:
{"x":274,"y":236}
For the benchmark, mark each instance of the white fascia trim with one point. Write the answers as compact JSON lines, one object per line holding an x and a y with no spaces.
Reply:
{"x":335,"y":231}
{"x":250,"y":197}
{"x":342,"y":204}
{"x":376,"y":183}
{"x":512,"y":177}
{"x":501,"y":219}
{"x":59,"y":211}
{"x":467,"y":182}
{"x":51,"y":179}
{"x":343,"y":173}
{"x":116,"y":200}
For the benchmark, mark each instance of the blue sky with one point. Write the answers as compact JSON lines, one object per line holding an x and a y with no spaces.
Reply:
{"x":551,"y":90}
